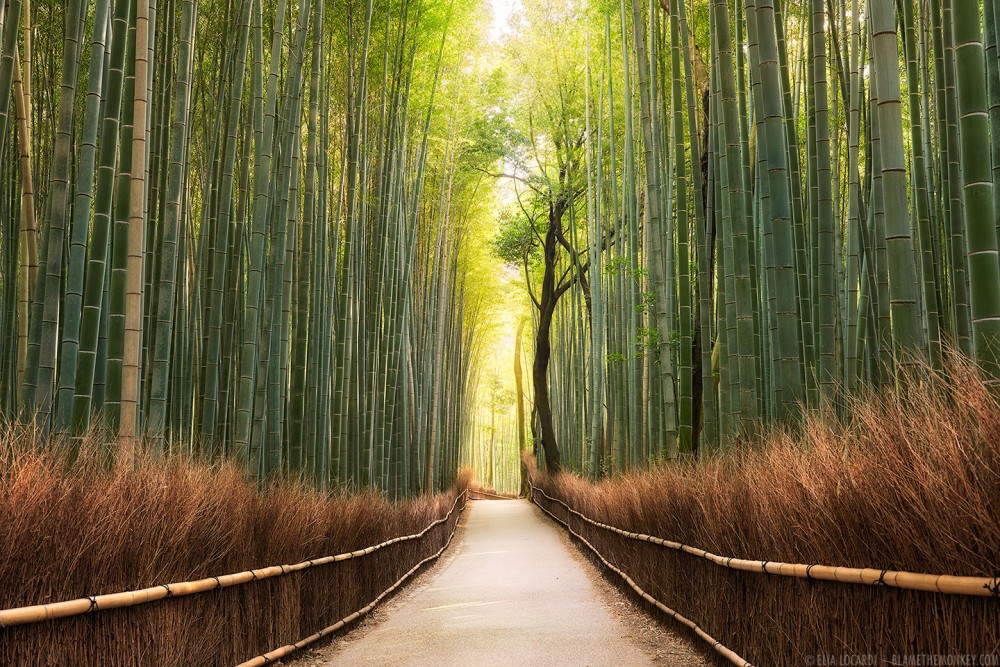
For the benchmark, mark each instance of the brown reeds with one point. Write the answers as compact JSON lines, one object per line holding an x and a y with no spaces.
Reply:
{"x":909,"y":482}
{"x":868,"y":576}
{"x":716,"y":645}
{"x":288,"y":649}
{"x":87,"y":529}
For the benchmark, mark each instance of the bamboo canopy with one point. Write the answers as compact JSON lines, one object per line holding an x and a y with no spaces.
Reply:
{"x":236,"y":230}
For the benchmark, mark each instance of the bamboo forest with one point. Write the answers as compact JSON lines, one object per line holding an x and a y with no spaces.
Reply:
{"x":704,"y":291}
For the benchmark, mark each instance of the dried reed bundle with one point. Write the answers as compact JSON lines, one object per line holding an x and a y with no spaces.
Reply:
{"x":909,"y":482}
{"x":91,"y":528}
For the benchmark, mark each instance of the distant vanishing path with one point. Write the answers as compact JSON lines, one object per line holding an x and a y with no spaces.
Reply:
{"x":510,"y":594}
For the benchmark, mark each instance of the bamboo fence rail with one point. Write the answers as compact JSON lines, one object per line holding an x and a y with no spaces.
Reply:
{"x":717,"y":646}
{"x":95,"y":603}
{"x":930,"y":583}
{"x":283,"y":651}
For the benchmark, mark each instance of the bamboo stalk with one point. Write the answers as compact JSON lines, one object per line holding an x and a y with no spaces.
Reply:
{"x":29,"y":232}
{"x":130,"y":381}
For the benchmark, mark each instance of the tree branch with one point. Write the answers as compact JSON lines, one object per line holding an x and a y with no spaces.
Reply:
{"x":565,"y":287}
{"x":527,"y":280}
{"x":531,"y":219}
{"x":513,"y":177}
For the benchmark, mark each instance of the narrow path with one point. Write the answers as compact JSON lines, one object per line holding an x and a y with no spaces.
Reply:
{"x":512,"y":593}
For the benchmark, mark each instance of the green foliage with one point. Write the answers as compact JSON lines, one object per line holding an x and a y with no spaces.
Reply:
{"x":492,"y":135}
{"x":647,"y":339}
{"x":402,"y":163}
{"x":615,"y":358}
{"x":516,"y":240}
{"x":647,"y":302}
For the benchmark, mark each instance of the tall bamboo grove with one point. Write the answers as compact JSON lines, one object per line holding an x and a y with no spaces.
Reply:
{"x":242,"y":229}
{"x":235,"y":228}
{"x":769,"y":203}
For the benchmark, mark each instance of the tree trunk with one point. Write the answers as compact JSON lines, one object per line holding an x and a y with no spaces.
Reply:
{"x":543,"y":344}
{"x":540,"y":383}
{"x":519,"y":383}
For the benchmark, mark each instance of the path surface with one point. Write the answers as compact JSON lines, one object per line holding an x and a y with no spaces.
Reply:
{"x":512,"y":593}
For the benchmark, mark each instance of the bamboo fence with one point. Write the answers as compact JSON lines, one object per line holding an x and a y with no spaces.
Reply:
{"x":90,"y":605}
{"x":929,"y":583}
{"x":950,"y":588}
{"x":95,"y":603}
{"x":283,"y":651}
{"x":716,"y":645}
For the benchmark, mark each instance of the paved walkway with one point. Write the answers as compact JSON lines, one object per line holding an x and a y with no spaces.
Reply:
{"x":510,"y":594}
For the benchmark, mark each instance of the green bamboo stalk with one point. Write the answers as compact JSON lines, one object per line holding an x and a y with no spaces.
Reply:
{"x":854,"y":207}
{"x":10,"y":29}
{"x":904,"y":296}
{"x":114,"y":337}
{"x":221,"y":244}
{"x":305,"y":302}
{"x":956,"y":234}
{"x":825,"y":271}
{"x":260,"y":219}
{"x":50,"y":281}
{"x":993,"y":86}
{"x":167,"y":280}
{"x":669,"y":429}
{"x":977,"y":186}
{"x":731,"y":175}
{"x":782,"y":279}
{"x":921,"y":196}
{"x":130,"y":395}
{"x":72,"y":310}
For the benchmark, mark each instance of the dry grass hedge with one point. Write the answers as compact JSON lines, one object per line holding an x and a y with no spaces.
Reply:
{"x":910,"y":481}
{"x":69,"y":532}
